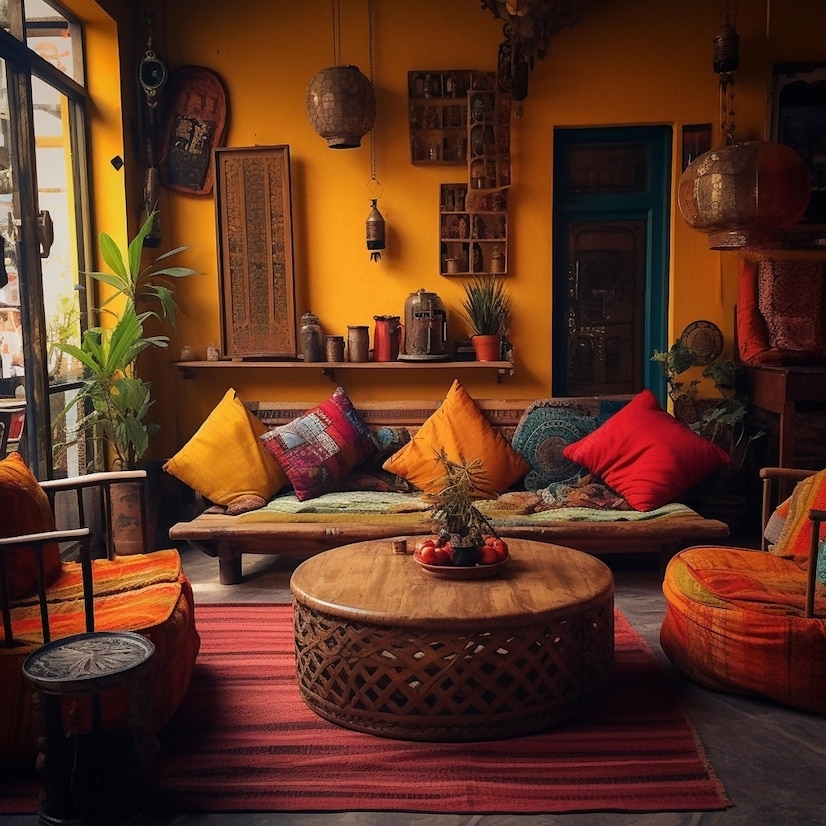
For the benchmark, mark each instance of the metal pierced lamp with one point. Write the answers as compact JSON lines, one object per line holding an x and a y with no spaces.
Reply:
{"x":341,"y":103}
{"x":746,"y":194}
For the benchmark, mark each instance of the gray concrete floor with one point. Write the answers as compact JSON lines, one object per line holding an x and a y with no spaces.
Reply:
{"x":771,"y":760}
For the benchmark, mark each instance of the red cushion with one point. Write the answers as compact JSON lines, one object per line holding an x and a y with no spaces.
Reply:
{"x":25,"y":509}
{"x":646,"y":455}
{"x":752,"y":335}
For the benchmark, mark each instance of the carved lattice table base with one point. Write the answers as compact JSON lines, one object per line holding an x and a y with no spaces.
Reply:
{"x":477,"y":660}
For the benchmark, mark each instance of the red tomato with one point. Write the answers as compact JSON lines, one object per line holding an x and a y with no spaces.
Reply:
{"x":500,"y":547}
{"x":488,"y":555}
{"x":427,"y":554}
{"x":442,"y":557}
{"x":420,"y":546}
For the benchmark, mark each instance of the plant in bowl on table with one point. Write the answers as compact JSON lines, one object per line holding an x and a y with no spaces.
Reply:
{"x":466,"y":537}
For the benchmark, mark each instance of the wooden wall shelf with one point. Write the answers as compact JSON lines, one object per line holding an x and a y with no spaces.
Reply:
{"x":328,"y":368}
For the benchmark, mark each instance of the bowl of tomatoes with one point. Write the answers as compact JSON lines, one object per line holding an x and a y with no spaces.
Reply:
{"x":436,"y":557}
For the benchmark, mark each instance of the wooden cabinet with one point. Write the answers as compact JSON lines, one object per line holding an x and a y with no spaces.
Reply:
{"x":473,"y":231}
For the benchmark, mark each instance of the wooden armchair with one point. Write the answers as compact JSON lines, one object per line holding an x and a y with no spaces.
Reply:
{"x":50,"y":604}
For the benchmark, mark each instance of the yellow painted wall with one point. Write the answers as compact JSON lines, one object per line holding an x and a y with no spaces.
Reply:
{"x":627,"y":62}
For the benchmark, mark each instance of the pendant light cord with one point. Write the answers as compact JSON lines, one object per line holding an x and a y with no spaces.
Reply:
{"x":336,"y":32}
{"x":376,"y":186}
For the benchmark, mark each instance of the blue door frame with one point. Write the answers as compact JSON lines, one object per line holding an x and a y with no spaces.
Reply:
{"x":653,"y":206}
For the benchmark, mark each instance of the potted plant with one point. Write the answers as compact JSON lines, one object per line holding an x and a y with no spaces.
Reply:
{"x":113,"y":401}
{"x":460,"y":522}
{"x":118,"y":399}
{"x":722,"y":419}
{"x":487,"y":308}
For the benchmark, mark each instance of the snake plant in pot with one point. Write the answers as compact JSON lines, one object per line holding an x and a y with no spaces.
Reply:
{"x":113,"y":402}
{"x":487,"y":308}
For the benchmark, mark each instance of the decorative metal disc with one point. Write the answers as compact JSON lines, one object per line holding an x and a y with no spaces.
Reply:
{"x":704,"y":339}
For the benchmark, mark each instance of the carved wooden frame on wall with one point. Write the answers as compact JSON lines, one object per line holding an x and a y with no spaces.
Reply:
{"x":255,"y":252}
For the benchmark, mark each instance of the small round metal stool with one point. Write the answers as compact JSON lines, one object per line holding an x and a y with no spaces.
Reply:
{"x":91,"y":774}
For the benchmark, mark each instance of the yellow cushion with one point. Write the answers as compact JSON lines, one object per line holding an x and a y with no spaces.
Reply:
{"x":462,"y":430}
{"x":225,"y":460}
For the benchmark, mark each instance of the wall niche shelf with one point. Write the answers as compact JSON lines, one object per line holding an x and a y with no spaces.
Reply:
{"x":329,"y":368}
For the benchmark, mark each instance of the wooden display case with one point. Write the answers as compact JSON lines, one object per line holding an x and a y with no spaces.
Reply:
{"x":473,"y":230}
{"x":439,"y":113}
{"x":489,"y":163}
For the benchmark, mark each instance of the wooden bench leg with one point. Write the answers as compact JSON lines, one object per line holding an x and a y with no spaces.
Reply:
{"x":229,"y":566}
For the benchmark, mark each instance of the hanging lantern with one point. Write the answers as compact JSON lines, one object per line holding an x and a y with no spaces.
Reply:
{"x":341,"y":103}
{"x":745,"y":194}
{"x":375,"y":232}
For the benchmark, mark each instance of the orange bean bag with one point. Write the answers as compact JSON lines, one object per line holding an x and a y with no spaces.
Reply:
{"x":735,"y":619}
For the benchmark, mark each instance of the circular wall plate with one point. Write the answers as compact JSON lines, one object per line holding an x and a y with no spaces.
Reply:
{"x":704,"y":339}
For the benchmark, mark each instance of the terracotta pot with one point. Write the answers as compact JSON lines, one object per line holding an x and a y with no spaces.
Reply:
{"x":487,"y":348}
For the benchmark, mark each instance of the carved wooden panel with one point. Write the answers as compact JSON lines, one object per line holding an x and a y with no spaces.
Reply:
{"x":255,"y":252}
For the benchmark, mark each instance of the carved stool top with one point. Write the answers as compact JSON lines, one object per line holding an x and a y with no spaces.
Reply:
{"x":87,"y":663}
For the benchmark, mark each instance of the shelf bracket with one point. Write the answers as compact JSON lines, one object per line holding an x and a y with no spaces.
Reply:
{"x":330,"y":372}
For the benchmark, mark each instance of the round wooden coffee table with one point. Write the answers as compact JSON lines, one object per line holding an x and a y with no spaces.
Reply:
{"x":384,"y":647}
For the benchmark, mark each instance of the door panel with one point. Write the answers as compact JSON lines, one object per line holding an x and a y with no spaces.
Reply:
{"x":610,"y":258}
{"x":606,"y":306}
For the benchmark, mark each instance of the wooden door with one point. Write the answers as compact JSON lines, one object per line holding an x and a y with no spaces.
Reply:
{"x":605,"y":310}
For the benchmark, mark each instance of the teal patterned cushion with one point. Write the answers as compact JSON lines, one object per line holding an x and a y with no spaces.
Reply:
{"x":549,"y":425}
{"x":546,"y":427}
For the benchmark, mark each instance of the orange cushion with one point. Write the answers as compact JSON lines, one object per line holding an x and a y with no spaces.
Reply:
{"x":460,"y":427}
{"x":25,"y":509}
{"x":646,"y":455}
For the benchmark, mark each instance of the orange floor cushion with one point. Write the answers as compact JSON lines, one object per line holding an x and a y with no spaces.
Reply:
{"x":735,"y":622}
{"x":146,"y":593}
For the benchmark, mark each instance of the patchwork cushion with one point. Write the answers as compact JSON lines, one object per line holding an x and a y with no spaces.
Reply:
{"x":460,"y":427}
{"x":25,"y":509}
{"x":225,"y":461}
{"x":646,"y":455}
{"x":321,"y":447}
{"x":795,"y":537}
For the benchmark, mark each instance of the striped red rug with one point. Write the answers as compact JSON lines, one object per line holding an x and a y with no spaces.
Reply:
{"x":245,"y":741}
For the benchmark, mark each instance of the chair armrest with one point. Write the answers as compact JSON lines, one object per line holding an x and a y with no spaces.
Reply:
{"x":46,"y":536}
{"x":789,"y":473}
{"x":106,"y":477}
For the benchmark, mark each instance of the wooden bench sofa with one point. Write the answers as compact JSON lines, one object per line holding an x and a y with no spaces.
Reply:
{"x":663,"y":532}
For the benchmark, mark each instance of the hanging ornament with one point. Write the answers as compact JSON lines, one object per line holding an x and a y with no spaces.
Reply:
{"x":375,"y":232}
{"x":375,"y":220}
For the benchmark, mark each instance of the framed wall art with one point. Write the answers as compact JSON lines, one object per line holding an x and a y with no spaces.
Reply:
{"x":255,"y":252}
{"x":798,"y":119}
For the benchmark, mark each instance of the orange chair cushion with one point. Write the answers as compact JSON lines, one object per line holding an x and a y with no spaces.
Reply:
{"x":146,"y":593}
{"x":25,"y":509}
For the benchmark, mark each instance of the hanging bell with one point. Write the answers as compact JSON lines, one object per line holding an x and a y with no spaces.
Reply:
{"x":375,"y":232}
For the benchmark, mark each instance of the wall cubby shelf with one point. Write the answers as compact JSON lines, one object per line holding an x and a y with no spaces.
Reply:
{"x":328,"y":368}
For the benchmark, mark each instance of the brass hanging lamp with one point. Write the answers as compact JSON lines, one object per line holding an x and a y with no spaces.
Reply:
{"x":340,"y":100}
{"x":746,"y":194}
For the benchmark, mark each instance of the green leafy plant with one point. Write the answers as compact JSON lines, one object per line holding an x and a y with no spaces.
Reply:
{"x":722,"y":418}
{"x":113,"y":400}
{"x":487,"y":305}
{"x":453,"y":508}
